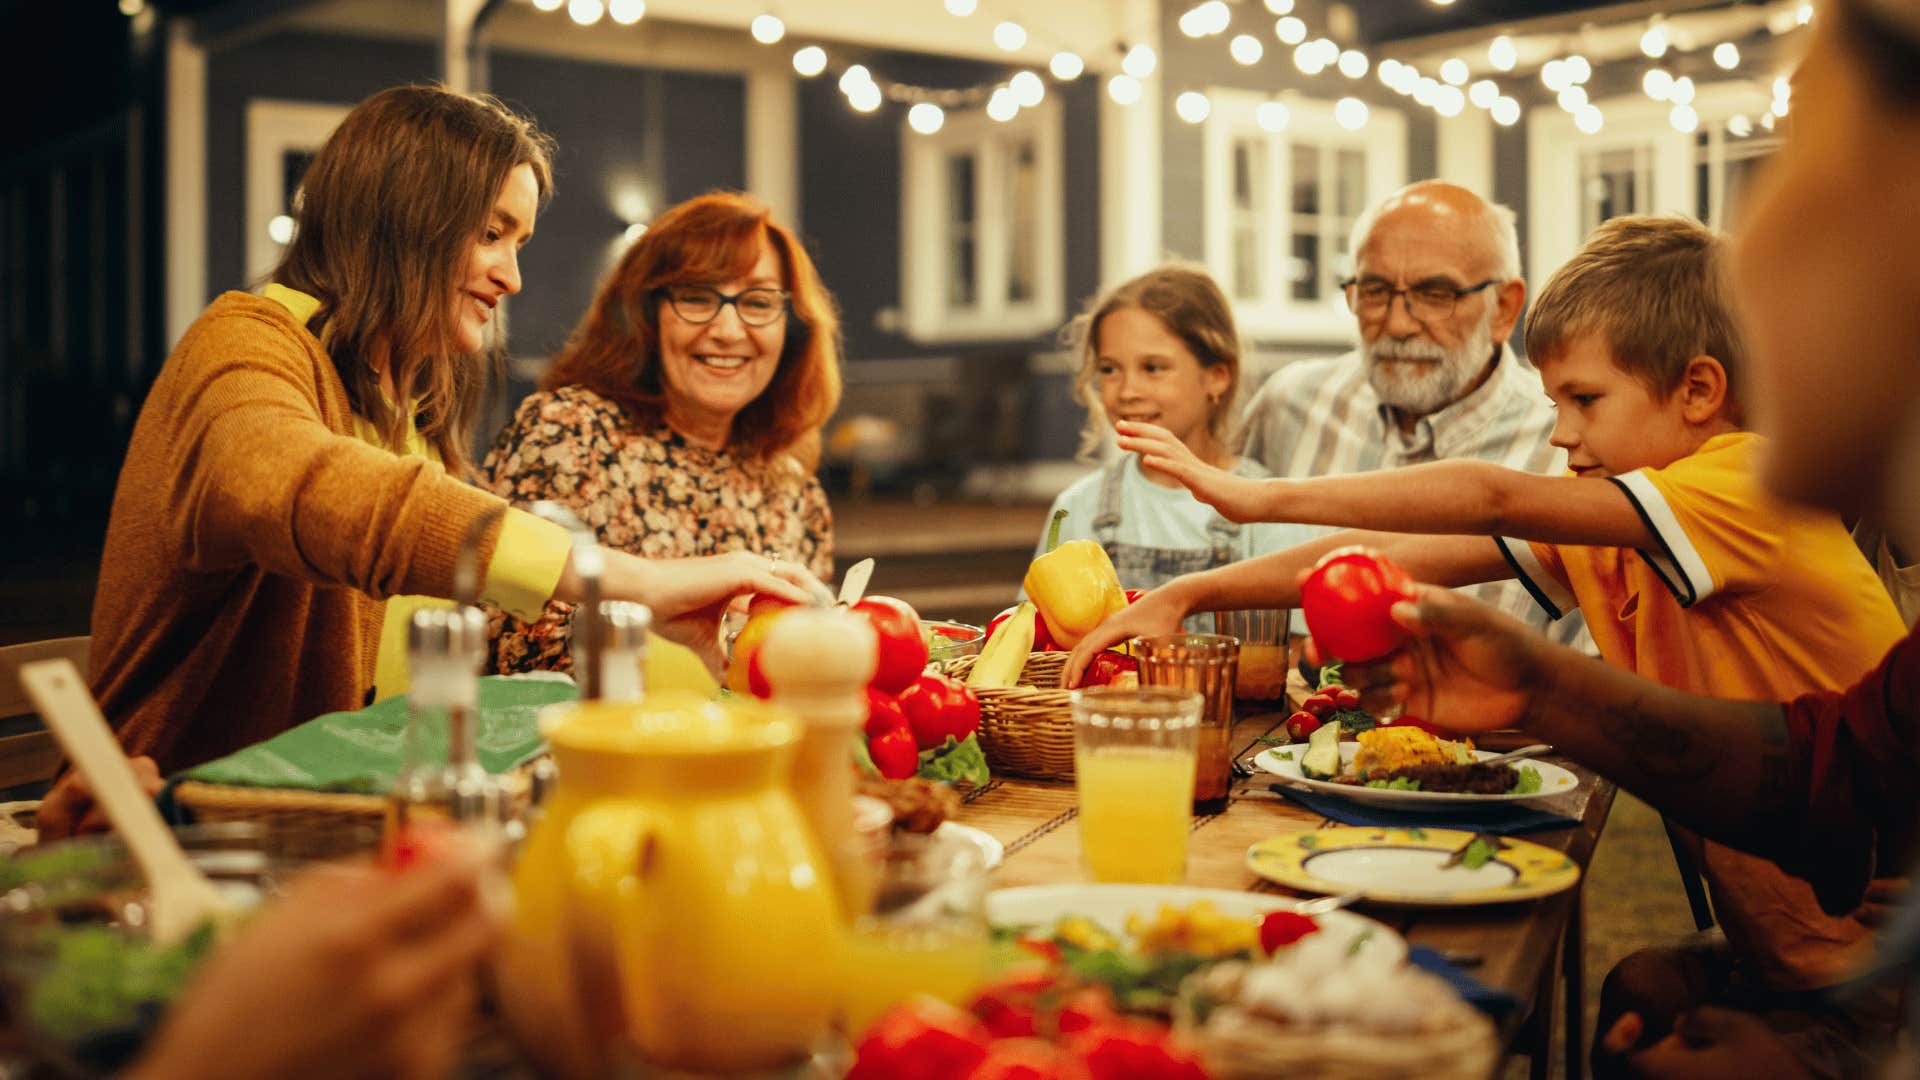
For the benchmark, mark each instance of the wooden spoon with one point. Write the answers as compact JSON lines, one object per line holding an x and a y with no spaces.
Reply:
{"x":180,"y":897}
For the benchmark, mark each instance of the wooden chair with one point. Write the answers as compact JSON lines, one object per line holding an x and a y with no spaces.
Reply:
{"x":28,"y":754}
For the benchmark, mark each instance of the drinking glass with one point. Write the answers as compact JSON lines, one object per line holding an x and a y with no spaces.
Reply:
{"x":926,"y":932}
{"x":1133,"y":765}
{"x":1205,"y":663}
{"x":1263,"y":666}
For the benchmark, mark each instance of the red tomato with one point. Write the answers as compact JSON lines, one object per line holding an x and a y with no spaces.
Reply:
{"x":1084,"y":1008}
{"x":1026,"y":1059}
{"x":1282,"y":928}
{"x":1302,"y":724}
{"x":903,"y":649}
{"x":1415,"y":722}
{"x":1107,"y":666}
{"x":1346,"y":698}
{"x":1133,"y":1050}
{"x":883,"y":713}
{"x":922,"y":1038}
{"x":937,"y":706}
{"x":1347,"y":600}
{"x":1318,"y":703}
{"x":1042,"y":637}
{"x":894,"y":754}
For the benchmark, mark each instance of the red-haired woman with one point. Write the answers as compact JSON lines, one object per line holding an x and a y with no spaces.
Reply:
{"x":683,"y":416}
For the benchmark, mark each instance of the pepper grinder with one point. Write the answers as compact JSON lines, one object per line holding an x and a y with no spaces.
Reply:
{"x":441,"y":776}
{"x":818,"y":662}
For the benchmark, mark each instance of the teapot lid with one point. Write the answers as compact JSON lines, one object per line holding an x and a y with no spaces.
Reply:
{"x":673,"y":722}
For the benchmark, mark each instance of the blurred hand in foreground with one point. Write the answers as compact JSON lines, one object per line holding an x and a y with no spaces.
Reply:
{"x":69,"y":809}
{"x":1705,"y":1044}
{"x":1466,"y":667}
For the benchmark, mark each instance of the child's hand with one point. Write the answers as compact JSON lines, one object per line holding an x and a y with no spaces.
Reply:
{"x":1158,"y":612}
{"x":1467,"y":667}
{"x":1236,"y":497}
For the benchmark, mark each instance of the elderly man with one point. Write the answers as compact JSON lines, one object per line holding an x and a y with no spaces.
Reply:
{"x":1436,"y":292}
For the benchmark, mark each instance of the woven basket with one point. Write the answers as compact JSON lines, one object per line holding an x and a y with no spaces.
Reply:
{"x":1027,"y":729}
{"x":316,"y":824}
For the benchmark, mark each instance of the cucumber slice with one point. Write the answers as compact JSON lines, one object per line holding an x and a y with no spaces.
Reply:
{"x":1322,"y":759}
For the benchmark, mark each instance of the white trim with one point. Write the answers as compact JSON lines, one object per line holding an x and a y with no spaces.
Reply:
{"x":1555,"y":147}
{"x":773,"y":143}
{"x":186,"y":179}
{"x":1131,"y":213}
{"x":1383,"y":141}
{"x":273,"y":128}
{"x":1678,"y":563}
{"x":925,"y":314}
{"x":1464,"y":150}
{"x":1548,"y":591}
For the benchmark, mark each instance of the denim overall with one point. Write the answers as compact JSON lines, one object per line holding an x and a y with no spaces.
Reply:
{"x":1142,"y":567}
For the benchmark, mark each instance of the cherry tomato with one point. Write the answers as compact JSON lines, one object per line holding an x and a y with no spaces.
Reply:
{"x":1282,"y":928}
{"x":883,"y":713}
{"x":1347,"y":599}
{"x":1346,"y":698}
{"x":937,"y":706}
{"x":924,"y":1038}
{"x":1319,"y":703}
{"x":894,"y":754}
{"x":1302,"y":724}
{"x":903,"y":648}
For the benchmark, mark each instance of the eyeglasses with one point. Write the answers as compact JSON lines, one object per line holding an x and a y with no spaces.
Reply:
{"x":699,"y":304}
{"x":1428,"y":301}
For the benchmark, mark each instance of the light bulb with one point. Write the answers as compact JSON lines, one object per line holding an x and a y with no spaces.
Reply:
{"x":855,"y":75}
{"x":962,"y":8}
{"x":1505,"y":112}
{"x":865,"y":97}
{"x":130,"y":8}
{"x":1727,"y":55}
{"x":810,"y":61}
{"x":1684,"y":119}
{"x":1192,"y":106}
{"x":1449,"y":101}
{"x":1682,"y":92}
{"x":1782,"y":88}
{"x":549,"y":5}
{"x":1578,"y":69}
{"x":1588,"y":118}
{"x":1766,"y":120}
{"x":1778,"y":108}
{"x":1483,"y":94}
{"x":1271,"y":116}
{"x":1502,"y":54}
{"x":1139,"y":62}
{"x":585,"y":12}
{"x":1353,"y":63}
{"x":1425,"y":89}
{"x":1028,"y":89}
{"x":926,"y":117}
{"x":1657,"y":83}
{"x":280,"y":229}
{"x":1739,"y":126}
{"x":1219,"y":16}
{"x":626,"y":12}
{"x":635,"y":231}
{"x":1555,"y":75}
{"x":1290,"y":31}
{"x":768,"y":29}
{"x":1654,"y":42}
{"x":1001,"y":106}
{"x":1124,"y":89}
{"x":1246,"y":49}
{"x":1280,"y":7}
{"x":1454,"y":72}
{"x":1350,"y":113}
{"x":1572,"y":98}
{"x":1066,"y":66}
{"x":1193,"y":22}
{"x":1010,"y":36}
{"x":1803,"y":14}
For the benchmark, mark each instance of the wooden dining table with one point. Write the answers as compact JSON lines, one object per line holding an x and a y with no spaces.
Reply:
{"x":1523,"y":948}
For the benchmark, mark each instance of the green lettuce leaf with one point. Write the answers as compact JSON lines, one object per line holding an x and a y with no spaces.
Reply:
{"x":957,"y":760}
{"x":1529,"y":781}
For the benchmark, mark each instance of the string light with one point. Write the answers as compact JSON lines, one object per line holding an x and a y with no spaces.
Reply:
{"x":962,"y":8}
{"x":628,"y":12}
{"x":1271,"y":116}
{"x":1350,"y":113}
{"x":1682,"y":92}
{"x":1028,"y":89}
{"x":864,"y":98}
{"x":1454,"y":71}
{"x":1388,"y":70}
{"x":1502,"y":54}
{"x":1425,"y":89}
{"x":855,"y":75}
{"x":1578,"y":69}
{"x":768,"y":29}
{"x":1727,"y":55}
{"x":810,"y":61}
{"x":926,"y":118}
{"x":1684,"y":119}
{"x":1192,"y":106}
{"x":1139,"y":62}
{"x":1307,"y":58}
{"x":1206,"y":19}
{"x":1803,"y":14}
{"x":1001,"y":107}
{"x":1290,"y":31}
{"x":1066,"y":66}
{"x":1766,"y":120}
{"x":1657,"y":83}
{"x":1280,"y":7}
{"x":1124,"y":89}
{"x":635,"y":231}
{"x":1739,"y":126}
{"x":1353,"y":64}
{"x":1654,"y":42}
{"x":1588,"y":119}
{"x":549,"y":5}
{"x":280,"y":229}
{"x":1778,"y":108}
{"x":1782,"y":88}
{"x":1246,"y":49}
{"x":1449,"y":101}
{"x":1505,"y":112}
{"x":1573,"y":98}
{"x":1010,"y":36}
{"x":585,"y":12}
{"x":1483,"y":94}
{"x":1555,"y":75}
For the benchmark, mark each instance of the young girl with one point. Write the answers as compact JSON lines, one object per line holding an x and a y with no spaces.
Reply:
{"x":1162,"y":349}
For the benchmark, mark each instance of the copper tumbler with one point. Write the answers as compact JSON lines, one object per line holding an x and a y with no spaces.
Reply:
{"x":1263,"y":651}
{"x":1207,"y":663}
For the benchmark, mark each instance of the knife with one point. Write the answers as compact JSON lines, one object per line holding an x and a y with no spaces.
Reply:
{"x":853,"y":584}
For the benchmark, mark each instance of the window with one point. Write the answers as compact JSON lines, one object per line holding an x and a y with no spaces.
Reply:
{"x":982,"y":221}
{"x":282,"y":139}
{"x":1638,"y":163}
{"x":1286,"y":204}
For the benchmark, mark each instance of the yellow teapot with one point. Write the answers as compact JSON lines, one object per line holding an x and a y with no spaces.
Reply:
{"x":673,"y":905}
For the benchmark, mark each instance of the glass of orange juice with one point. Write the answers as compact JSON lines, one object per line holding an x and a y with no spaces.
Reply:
{"x":927,"y":930}
{"x":1133,"y":764}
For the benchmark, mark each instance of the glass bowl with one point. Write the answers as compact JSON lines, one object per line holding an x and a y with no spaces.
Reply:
{"x":81,"y":981}
{"x":949,"y":641}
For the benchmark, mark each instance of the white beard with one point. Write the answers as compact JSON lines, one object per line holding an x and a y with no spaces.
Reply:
{"x":1419,"y":377}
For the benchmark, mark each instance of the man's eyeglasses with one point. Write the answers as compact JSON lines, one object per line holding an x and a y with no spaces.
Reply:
{"x":1427,"y":301}
{"x":700,"y":304}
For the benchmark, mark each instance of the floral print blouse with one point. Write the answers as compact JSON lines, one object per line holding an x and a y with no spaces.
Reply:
{"x":648,"y":492}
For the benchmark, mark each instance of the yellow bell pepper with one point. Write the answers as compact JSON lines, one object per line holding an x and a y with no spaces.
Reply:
{"x":1074,"y":585}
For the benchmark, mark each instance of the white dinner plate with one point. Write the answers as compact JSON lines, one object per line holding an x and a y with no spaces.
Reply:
{"x":1284,"y":762}
{"x":991,"y":850}
{"x":1041,"y":906}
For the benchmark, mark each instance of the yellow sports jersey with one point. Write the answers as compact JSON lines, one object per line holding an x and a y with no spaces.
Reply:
{"x":1742,"y":597}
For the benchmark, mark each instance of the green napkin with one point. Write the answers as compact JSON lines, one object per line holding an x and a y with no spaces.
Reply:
{"x":361,"y":751}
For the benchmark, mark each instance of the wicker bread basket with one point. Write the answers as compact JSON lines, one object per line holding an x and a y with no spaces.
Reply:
{"x":1027,"y":729}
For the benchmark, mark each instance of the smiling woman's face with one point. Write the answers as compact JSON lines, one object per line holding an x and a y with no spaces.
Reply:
{"x":712,"y":370}
{"x":493,"y":264}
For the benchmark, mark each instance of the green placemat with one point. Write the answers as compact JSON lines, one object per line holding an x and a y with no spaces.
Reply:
{"x":360,"y":751}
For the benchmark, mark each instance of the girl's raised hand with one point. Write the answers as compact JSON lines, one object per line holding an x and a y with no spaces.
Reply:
{"x":1238,"y":498}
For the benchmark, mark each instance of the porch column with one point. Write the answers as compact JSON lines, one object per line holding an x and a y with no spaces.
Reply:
{"x":186,"y":179}
{"x":1130,"y":209}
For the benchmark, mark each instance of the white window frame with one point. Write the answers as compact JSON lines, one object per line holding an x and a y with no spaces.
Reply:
{"x":1555,"y":146}
{"x":274,"y":128}
{"x":1277,"y":315}
{"x":926,"y":314}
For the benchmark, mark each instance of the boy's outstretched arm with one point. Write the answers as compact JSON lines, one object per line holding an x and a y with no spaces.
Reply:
{"x":1475,"y":498}
{"x":1273,"y":581}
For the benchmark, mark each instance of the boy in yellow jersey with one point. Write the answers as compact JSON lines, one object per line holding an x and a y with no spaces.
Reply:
{"x":1686,"y":570}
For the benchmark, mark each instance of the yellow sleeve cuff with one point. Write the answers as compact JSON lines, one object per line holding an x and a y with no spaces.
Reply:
{"x":526,"y":566}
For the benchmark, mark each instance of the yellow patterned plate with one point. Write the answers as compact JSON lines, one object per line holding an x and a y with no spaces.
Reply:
{"x":1404,"y":866}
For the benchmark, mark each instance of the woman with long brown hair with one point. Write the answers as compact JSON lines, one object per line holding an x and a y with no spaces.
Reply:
{"x":299,"y":458}
{"x":683,"y":416}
